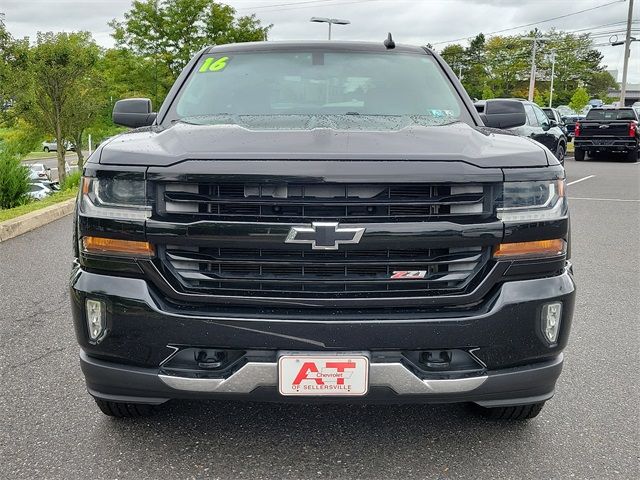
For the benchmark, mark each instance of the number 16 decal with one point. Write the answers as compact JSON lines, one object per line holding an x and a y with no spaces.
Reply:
{"x":213,"y":65}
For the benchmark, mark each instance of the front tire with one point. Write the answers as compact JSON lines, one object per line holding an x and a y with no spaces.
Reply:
{"x":579,"y":154}
{"x":46,"y":149}
{"x":521,"y":412}
{"x":560,"y":152}
{"x":124,"y":410}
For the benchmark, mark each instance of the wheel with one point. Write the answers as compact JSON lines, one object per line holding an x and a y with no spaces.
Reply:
{"x":578,"y":154}
{"x":46,"y":149}
{"x":632,"y":156}
{"x":560,"y":151}
{"x":521,"y":412}
{"x":124,"y":410}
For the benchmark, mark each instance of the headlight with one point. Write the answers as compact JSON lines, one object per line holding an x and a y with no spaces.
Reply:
{"x":117,"y":196}
{"x":529,"y":201}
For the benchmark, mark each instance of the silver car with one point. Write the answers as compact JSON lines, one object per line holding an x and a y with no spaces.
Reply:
{"x":38,"y":190}
{"x":52,"y":146}
{"x":39,"y":172}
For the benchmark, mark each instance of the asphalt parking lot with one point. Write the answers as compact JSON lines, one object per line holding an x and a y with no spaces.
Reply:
{"x":51,"y":428}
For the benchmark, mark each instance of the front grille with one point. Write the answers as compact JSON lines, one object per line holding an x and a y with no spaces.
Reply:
{"x":298,"y":272}
{"x":296,"y":202}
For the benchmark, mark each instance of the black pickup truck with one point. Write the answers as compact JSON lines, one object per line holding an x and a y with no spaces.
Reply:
{"x":321,"y":221}
{"x":608,"y":130}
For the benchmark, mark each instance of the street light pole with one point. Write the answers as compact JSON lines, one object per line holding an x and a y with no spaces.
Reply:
{"x":330,"y":21}
{"x":553,"y":71}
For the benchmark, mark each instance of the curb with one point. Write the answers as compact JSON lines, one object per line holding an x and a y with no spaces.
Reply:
{"x":32,"y":220}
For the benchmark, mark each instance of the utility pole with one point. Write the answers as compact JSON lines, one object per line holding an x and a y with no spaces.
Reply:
{"x":627,"y":54}
{"x":534,"y":49}
{"x":553,"y":71}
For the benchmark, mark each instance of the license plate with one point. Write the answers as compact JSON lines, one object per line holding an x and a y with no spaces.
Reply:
{"x":323,"y":375}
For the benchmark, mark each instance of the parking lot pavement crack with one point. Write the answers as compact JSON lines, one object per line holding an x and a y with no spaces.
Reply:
{"x":38,"y":358}
{"x":33,"y":315}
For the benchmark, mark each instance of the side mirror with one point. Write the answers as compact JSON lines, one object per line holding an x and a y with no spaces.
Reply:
{"x":552,"y":123}
{"x":504,"y":114}
{"x":133,"y":112}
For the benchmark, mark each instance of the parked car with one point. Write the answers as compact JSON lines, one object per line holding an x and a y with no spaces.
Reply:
{"x":570,"y":124}
{"x":52,"y":146}
{"x":609,"y":130}
{"x":538,"y":126}
{"x":346,"y":229}
{"x":554,"y":114}
{"x":38,"y":190}
{"x":39,"y":171}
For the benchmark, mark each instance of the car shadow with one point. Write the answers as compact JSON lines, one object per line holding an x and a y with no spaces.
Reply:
{"x":298,"y":440}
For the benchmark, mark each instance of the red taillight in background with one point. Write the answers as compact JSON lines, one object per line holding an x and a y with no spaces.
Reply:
{"x":576,"y":132}
{"x":633,"y":128}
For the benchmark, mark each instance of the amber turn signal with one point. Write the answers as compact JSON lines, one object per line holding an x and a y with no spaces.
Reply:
{"x":539,"y":248}
{"x":101,"y":245}
{"x":86,"y":182}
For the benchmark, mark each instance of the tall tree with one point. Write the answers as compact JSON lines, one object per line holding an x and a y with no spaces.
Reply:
{"x":57,"y":69}
{"x":83,"y":109}
{"x":169,"y":32}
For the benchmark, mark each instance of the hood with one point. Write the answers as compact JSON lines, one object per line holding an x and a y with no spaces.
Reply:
{"x":455,"y":142}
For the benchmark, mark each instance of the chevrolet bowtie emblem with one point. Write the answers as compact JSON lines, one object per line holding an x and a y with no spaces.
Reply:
{"x":324,"y":235}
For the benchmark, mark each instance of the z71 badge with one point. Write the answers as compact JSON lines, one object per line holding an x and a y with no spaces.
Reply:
{"x":408,"y":274}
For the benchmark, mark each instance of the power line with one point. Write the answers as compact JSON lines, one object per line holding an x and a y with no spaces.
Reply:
{"x":596,"y":27}
{"x":303,"y":4}
{"x":283,"y":4}
{"x":534,"y":23}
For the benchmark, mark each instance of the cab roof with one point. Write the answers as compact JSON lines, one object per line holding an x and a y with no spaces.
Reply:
{"x":332,"y":45}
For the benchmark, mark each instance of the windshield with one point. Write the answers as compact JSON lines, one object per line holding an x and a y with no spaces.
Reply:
{"x":307,"y":89}
{"x":611,"y":114}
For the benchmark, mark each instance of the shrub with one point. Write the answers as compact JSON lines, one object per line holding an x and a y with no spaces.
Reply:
{"x":71,"y":181}
{"x":14,"y":180}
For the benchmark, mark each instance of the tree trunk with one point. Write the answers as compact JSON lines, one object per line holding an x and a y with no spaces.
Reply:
{"x":78,"y":145}
{"x":60,"y":151}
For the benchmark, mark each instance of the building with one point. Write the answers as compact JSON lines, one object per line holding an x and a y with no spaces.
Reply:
{"x":632,"y":94}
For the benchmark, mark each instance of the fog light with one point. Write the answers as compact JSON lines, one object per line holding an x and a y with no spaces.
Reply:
{"x":551,"y":313}
{"x":95,"y":318}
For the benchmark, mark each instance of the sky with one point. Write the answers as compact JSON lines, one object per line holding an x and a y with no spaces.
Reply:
{"x":411,"y":21}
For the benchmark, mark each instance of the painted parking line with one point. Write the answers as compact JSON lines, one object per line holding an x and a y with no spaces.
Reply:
{"x":605,"y":199}
{"x":580,"y":180}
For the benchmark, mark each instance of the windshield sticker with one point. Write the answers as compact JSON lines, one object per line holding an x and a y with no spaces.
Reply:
{"x":212,"y":65}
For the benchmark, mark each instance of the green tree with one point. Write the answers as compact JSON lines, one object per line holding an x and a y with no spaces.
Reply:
{"x":169,"y":32}
{"x":487,"y":93}
{"x":14,"y":179}
{"x":468,"y":63}
{"x":599,"y":84}
{"x":58,"y":68}
{"x":454,"y":55}
{"x":84,"y":107}
{"x":579,"y":99}
{"x":507,"y":64}
{"x":12,"y":52}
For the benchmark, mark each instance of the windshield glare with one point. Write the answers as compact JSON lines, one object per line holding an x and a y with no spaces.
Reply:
{"x":318,"y":86}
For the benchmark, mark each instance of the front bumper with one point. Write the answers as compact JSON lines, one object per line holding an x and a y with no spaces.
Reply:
{"x":504,"y":334}
{"x":388,"y":382}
